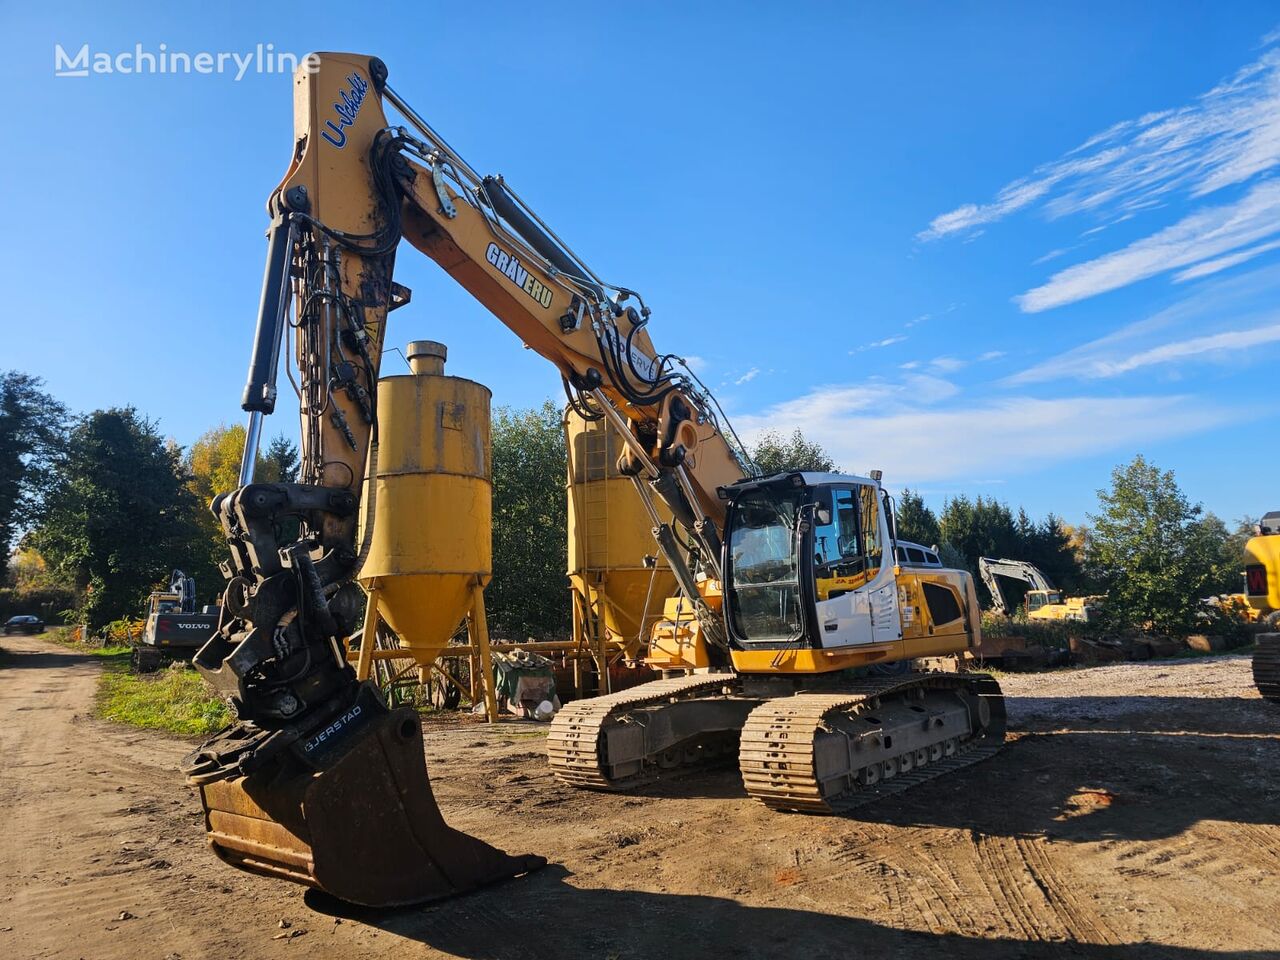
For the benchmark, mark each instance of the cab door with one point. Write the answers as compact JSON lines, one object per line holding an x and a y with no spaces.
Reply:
{"x":856,"y":598}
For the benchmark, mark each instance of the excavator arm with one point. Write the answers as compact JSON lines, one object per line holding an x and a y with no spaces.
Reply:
{"x":991,"y":569}
{"x":319,"y":781}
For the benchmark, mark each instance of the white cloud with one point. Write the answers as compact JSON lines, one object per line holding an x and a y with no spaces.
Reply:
{"x":876,"y":344}
{"x":748,"y":376}
{"x":1228,"y":341}
{"x":1227,"y":136}
{"x":1206,"y":267}
{"x":909,"y":365}
{"x":698,"y":365}
{"x":947,"y":364}
{"x":1218,"y":316}
{"x":990,"y":355}
{"x":1051,"y":255}
{"x":901,"y":428}
{"x":925,"y":317}
{"x":1198,"y":236}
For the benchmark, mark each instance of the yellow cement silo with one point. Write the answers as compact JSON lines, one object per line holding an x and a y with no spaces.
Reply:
{"x":616,"y":597}
{"x":432,"y":535}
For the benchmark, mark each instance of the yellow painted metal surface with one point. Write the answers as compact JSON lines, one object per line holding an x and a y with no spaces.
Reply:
{"x":340,"y":194}
{"x":676,"y":641}
{"x":1263,"y":586}
{"x":432,"y":533}
{"x":1071,"y":608}
{"x":808,"y":660}
{"x":610,"y":534}
{"x":923,"y":634}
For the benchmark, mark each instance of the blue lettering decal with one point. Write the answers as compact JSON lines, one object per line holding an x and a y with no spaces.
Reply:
{"x":347,"y":110}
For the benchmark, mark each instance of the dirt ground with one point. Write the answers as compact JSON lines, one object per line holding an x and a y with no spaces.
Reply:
{"x":1134,"y":814}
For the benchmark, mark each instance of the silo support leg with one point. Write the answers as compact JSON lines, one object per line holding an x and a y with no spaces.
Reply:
{"x":368,"y":636}
{"x":480,"y":640}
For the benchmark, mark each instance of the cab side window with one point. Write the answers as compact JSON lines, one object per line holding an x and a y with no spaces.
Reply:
{"x":846,"y":537}
{"x":869,"y":527}
{"x":835,"y":542}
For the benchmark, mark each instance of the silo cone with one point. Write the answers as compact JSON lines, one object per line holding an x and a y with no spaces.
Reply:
{"x":348,"y":807}
{"x":432,"y":533}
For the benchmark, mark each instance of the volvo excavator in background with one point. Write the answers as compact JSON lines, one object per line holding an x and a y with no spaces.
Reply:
{"x":174,"y":629}
{"x":1043,"y":601}
{"x":788,"y":640}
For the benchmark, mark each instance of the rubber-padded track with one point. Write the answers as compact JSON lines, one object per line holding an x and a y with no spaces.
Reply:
{"x":1266,"y":666}
{"x":575,"y":743}
{"x":777,"y":749}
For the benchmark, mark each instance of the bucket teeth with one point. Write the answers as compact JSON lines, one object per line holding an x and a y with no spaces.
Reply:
{"x":361,"y":824}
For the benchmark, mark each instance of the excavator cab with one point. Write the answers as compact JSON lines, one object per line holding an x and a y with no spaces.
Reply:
{"x":1037,"y":599}
{"x":804,"y":562}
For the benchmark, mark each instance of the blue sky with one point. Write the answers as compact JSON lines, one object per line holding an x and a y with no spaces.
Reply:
{"x":987,"y":248}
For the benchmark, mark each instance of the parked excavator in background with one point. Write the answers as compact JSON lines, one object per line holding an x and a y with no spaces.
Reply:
{"x":1262,"y":592}
{"x":174,"y":630}
{"x":1043,"y":601}
{"x":786,"y":586}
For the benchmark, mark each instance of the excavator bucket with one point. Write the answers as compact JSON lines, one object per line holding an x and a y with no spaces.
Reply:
{"x":360,"y":824}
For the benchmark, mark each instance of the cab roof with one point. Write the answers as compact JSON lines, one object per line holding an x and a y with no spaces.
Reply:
{"x":808,"y":478}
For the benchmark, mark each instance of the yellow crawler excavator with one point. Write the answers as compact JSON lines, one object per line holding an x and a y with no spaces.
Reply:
{"x":789,"y":638}
{"x":1262,"y":593}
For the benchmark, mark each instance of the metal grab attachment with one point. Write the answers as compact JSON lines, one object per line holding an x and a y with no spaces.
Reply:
{"x":347,"y":809}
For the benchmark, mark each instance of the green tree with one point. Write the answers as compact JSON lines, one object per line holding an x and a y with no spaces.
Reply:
{"x":1048,"y":545}
{"x":979,"y":528}
{"x":1152,"y":550}
{"x":280,"y":463}
{"x":32,"y":428}
{"x":213,"y":462}
{"x":212,"y":467}
{"x":915,"y":521}
{"x":951,"y":557}
{"x":1228,"y":575}
{"x":988,"y":528}
{"x":774,"y":453}
{"x":529,"y":593}
{"x":118,"y":515}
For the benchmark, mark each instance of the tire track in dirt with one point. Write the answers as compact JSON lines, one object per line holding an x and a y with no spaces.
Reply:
{"x":851,"y":855}
{"x":922,"y":891}
{"x":1266,"y":843}
{"x":1078,"y":918}
{"x":1026,"y":887}
{"x":942,"y":875}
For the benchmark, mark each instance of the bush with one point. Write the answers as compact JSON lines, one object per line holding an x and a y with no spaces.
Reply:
{"x":121,"y":632}
{"x":48,"y":603}
{"x":1225,"y":620}
{"x":1046,"y":634}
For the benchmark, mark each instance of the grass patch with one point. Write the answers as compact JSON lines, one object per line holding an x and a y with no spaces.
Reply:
{"x":175,"y":700}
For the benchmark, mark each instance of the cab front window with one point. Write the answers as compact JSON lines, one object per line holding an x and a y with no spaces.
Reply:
{"x":764,"y":572}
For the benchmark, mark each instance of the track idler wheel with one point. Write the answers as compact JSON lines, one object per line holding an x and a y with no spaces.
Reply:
{"x":357,"y":820}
